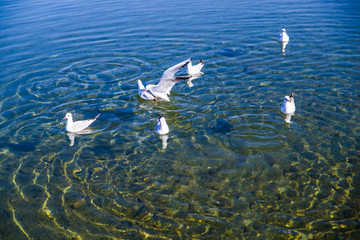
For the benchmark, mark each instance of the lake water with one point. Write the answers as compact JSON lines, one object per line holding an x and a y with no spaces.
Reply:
{"x":232,"y":168}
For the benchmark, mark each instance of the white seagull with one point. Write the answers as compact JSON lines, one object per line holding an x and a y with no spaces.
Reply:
{"x":163,"y":88}
{"x":288,"y":106}
{"x":78,"y":126}
{"x":283,"y":39}
{"x":161,"y":126}
{"x":196,"y":69}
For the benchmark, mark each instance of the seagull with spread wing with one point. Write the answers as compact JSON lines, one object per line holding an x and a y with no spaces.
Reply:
{"x":163,"y":88}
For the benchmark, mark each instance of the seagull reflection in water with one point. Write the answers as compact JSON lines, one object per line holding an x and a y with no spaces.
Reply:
{"x":72,"y":135}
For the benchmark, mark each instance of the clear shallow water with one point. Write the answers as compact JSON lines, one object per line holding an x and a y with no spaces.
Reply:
{"x":232,"y":167}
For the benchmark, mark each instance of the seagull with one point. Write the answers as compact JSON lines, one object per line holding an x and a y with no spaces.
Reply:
{"x":193,"y":70}
{"x":78,"y":126}
{"x":163,"y":88}
{"x":283,"y":39}
{"x":161,"y":127}
{"x":288,"y":106}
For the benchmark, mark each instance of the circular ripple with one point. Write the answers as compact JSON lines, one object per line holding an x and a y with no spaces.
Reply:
{"x":97,"y":70}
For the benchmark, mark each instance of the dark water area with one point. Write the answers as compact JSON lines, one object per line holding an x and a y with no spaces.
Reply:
{"x":232,"y":167}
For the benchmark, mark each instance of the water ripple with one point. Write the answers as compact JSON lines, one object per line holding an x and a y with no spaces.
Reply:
{"x":233,"y":168}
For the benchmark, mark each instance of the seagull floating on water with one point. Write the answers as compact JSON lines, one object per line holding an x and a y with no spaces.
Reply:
{"x":163,"y":88}
{"x":161,"y":126}
{"x":283,"y":36}
{"x":77,"y":126}
{"x":288,"y":106}
{"x":283,"y":39}
{"x":196,"y":69}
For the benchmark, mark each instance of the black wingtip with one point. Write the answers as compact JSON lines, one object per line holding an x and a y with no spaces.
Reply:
{"x":96,"y":117}
{"x":185,"y":64}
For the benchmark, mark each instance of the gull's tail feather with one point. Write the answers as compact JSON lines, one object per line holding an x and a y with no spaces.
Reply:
{"x":141,"y":86}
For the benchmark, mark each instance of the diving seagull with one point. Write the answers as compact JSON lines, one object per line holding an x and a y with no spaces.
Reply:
{"x":288,"y":106}
{"x":77,"y":126}
{"x":196,"y":69}
{"x":283,"y":39}
{"x":166,"y":83}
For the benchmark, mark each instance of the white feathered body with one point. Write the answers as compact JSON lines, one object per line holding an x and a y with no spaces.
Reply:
{"x":161,"y":126}
{"x":77,"y":126}
{"x":283,"y":37}
{"x":161,"y":91}
{"x":288,"y":106}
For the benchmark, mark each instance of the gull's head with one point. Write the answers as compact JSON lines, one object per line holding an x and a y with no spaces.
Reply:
{"x":283,"y":29}
{"x":291,"y":95}
{"x":161,"y":120}
{"x":68,"y":116}
{"x":289,"y":98}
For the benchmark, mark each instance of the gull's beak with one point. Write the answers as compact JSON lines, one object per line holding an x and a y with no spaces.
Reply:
{"x":64,"y":118}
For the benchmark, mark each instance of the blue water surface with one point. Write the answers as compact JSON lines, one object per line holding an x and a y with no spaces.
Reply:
{"x":231,"y":166}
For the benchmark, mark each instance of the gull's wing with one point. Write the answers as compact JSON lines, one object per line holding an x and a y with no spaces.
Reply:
{"x":170,"y":72}
{"x":81,"y":125}
{"x":167,"y":80}
{"x":196,"y":68}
